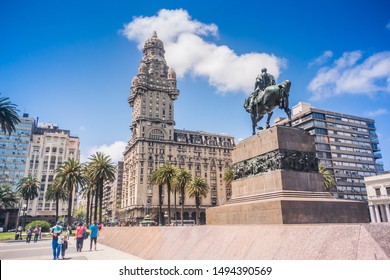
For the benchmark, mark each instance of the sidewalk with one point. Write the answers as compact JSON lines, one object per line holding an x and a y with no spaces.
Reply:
{"x":102,"y":253}
{"x":20,"y":250}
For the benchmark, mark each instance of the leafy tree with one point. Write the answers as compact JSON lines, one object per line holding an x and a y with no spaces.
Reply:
{"x":164,"y":175}
{"x":101,"y":170}
{"x":327,"y":176}
{"x":228,"y":176}
{"x":69,"y":175}
{"x":8,"y":115}
{"x":182,"y":180}
{"x":8,"y":197}
{"x":80,"y":214}
{"x":56,"y":192}
{"x":197,"y":189}
{"x":43,"y":224}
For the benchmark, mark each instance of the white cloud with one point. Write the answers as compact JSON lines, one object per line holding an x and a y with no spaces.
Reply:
{"x":350,"y":75}
{"x":114,"y":150}
{"x":188,"y":51}
{"x":376,"y":113}
{"x":321,"y":59}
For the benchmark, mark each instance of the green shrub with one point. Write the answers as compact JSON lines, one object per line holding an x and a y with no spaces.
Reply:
{"x":43,"y":224}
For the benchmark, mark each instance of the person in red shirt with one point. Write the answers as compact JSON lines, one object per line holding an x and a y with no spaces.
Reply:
{"x":80,"y":236}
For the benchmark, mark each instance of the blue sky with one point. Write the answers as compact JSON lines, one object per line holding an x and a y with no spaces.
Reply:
{"x":71,"y":63}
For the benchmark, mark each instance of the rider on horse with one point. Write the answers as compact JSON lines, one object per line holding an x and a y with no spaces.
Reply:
{"x":263,"y":80}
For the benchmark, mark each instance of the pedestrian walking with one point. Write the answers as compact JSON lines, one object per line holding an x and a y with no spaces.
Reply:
{"x":80,"y":236}
{"x":36,"y":234}
{"x":94,"y":234}
{"x":64,"y":246}
{"x":40,"y":232}
{"x":68,"y":231}
{"x":20,"y":229}
{"x":29,"y":233}
{"x":55,"y":233}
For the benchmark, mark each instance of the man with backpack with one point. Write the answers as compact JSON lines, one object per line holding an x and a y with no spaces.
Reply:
{"x":81,"y":232}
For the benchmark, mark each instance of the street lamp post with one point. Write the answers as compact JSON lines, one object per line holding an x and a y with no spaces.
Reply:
{"x":24,"y":211}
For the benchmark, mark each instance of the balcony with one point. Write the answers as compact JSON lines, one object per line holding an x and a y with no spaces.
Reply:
{"x":377,"y":155}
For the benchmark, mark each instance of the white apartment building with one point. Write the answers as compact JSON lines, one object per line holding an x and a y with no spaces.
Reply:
{"x":378,"y":192}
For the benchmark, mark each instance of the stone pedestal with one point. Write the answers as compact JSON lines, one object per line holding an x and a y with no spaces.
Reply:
{"x":277,"y":182}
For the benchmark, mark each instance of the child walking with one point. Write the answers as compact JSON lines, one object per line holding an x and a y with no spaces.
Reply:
{"x":64,"y":246}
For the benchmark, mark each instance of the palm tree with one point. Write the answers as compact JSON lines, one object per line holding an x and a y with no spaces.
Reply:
{"x":197,"y":189}
{"x":56,"y":193}
{"x":8,"y":115}
{"x":70,"y":176}
{"x":164,"y":175}
{"x":327,"y":176}
{"x":154,"y":179}
{"x":101,"y":170}
{"x":88,"y":191}
{"x":182,"y":179}
{"x":8,"y":197}
{"x":228,"y":176}
{"x":28,"y":188}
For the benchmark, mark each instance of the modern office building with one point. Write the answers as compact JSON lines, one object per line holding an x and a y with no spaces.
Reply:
{"x":348,"y":145}
{"x":13,"y":157}
{"x":49,"y":148}
{"x":378,"y":191}
{"x":155,"y":142}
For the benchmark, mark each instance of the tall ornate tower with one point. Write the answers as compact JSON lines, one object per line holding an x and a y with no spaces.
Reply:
{"x":152,"y":95}
{"x":154,"y":142}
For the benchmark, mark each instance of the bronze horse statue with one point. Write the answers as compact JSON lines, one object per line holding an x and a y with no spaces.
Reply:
{"x":266,"y":101}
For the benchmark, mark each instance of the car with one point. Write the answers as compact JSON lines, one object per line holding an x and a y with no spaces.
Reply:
{"x":1,"y":229}
{"x":185,"y":223}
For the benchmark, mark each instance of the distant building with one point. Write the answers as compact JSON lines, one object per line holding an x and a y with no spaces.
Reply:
{"x":50,"y":147}
{"x":155,"y":142}
{"x":13,"y":157}
{"x":378,"y":191}
{"x":112,"y":196}
{"x":347,"y":145}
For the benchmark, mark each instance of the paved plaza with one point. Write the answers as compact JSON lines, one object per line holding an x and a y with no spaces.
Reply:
{"x":20,"y":250}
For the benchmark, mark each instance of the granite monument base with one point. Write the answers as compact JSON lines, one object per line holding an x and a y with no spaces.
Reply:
{"x":277,"y":182}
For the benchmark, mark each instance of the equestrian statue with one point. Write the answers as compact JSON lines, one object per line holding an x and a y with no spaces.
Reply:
{"x":266,"y":97}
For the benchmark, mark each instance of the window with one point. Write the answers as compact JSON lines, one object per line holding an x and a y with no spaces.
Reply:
{"x":388,"y":191}
{"x":156,"y":134}
{"x":378,"y":191}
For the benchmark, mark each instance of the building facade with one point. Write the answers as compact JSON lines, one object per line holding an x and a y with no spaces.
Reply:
{"x":112,"y":196}
{"x":347,"y":145}
{"x":13,"y":158}
{"x":155,"y":142}
{"x":378,"y":191}
{"x":49,"y":148}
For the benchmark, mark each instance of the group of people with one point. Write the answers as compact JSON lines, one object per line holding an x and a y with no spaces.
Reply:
{"x":60,"y":241}
{"x":30,"y":232}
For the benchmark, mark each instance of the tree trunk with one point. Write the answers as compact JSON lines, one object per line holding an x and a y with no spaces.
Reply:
{"x":169,"y":202}
{"x":57,"y":204}
{"x":70,"y":205}
{"x":101,"y":201}
{"x":91,"y":206}
{"x":160,"y":214}
{"x":88,"y":202}
{"x":182,"y":206}
{"x":197,"y":201}
{"x":96,"y":205}
{"x":175,"y":215}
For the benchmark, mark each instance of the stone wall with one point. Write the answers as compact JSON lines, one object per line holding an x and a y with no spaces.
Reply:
{"x":253,"y":242}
